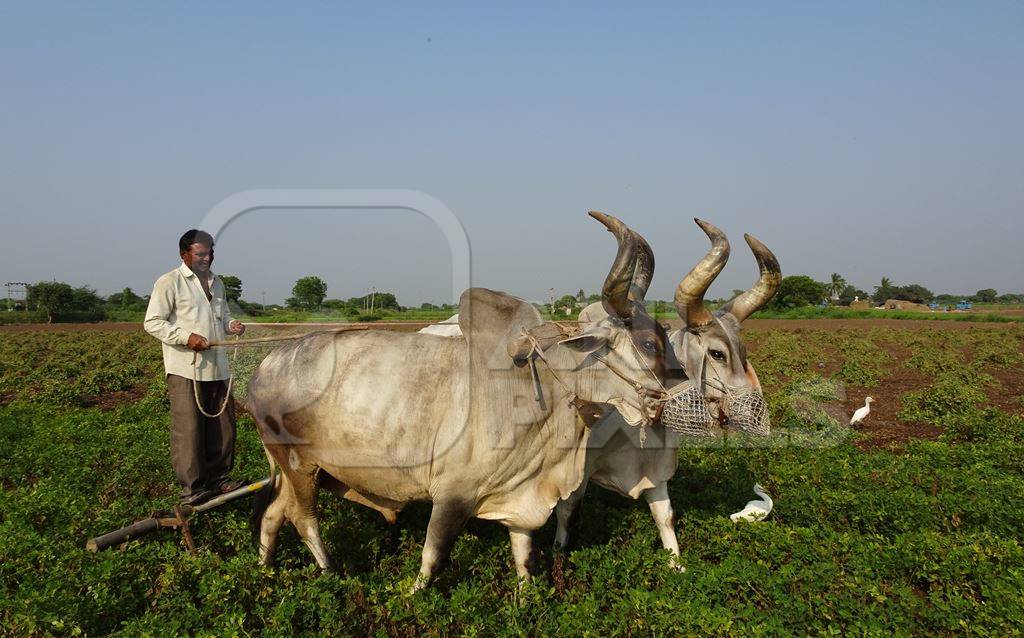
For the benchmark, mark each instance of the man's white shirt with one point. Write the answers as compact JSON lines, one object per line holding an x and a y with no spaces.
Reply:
{"x":177,"y":308}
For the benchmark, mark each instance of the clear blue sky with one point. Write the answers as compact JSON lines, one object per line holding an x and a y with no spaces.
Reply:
{"x":869,"y":139}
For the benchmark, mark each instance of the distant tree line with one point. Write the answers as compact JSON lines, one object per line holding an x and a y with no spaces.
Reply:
{"x":309,"y":294}
{"x":800,"y":290}
{"x":56,"y":301}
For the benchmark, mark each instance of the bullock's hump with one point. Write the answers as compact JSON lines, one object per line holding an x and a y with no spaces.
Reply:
{"x":489,"y":318}
{"x":292,"y":376}
{"x":484,"y":311}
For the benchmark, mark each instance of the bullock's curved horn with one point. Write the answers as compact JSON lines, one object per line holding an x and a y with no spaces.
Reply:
{"x":644,"y":271}
{"x":689,"y":298}
{"x":615,"y":292}
{"x":745,"y":304}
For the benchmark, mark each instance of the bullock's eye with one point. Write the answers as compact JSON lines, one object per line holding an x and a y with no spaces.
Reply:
{"x":717,"y":355}
{"x":650,"y":345}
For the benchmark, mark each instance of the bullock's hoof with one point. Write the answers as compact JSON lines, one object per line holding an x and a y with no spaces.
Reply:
{"x":521,"y":597}
{"x":418,"y":584}
{"x":676,"y":564}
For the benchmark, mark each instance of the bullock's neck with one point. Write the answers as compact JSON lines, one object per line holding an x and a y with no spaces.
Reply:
{"x":562,"y":383}
{"x":572,"y":378}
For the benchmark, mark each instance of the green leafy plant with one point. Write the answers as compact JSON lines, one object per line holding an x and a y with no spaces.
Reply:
{"x":954,"y":394}
{"x":927,"y":541}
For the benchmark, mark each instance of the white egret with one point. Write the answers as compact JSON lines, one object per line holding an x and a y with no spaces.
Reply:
{"x":756,"y":510}
{"x":861,"y":413}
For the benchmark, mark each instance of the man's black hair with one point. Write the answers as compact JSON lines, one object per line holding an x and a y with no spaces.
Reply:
{"x":194,"y":236}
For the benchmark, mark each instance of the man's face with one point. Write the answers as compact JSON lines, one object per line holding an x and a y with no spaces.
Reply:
{"x":198,"y":258}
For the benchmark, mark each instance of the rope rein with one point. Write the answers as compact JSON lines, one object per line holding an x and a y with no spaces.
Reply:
{"x":539,"y":352}
{"x":195,"y":386}
{"x":236,"y":343}
{"x":643,"y":393}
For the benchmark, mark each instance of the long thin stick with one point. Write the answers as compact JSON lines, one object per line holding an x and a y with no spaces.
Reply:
{"x":245,"y":490}
{"x":234,"y":343}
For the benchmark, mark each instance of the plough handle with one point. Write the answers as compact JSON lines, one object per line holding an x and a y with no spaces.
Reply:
{"x":125,"y":534}
{"x":245,"y":490}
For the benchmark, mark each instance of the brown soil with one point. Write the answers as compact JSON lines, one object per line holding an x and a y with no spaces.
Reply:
{"x":1009,"y":394}
{"x":72,"y":327}
{"x":867,"y":324}
{"x":831,"y":361}
{"x":881,"y":428}
{"x":111,"y":400}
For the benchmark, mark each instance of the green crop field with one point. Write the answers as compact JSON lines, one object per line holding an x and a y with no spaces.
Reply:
{"x":911,"y":525}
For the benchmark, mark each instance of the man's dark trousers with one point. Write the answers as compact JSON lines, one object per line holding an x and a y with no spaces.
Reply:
{"x":202,"y":448}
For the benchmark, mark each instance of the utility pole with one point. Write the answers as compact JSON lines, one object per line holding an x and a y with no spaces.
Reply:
{"x":17,"y":291}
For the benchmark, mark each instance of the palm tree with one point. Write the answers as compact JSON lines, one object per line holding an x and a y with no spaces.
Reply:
{"x":883,"y":291}
{"x":835,"y":288}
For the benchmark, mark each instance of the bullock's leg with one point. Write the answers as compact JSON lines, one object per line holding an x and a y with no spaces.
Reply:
{"x":522,"y":545}
{"x":273,"y":499}
{"x":565,"y":512}
{"x":303,"y":515}
{"x":271,"y":523}
{"x":446,"y":521}
{"x":661,"y":510}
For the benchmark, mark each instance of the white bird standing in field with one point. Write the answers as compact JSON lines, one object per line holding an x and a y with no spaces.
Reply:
{"x":861,"y":413}
{"x":757,"y":510}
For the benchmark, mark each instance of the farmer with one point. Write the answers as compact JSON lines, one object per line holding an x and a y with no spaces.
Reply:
{"x":186,"y":311}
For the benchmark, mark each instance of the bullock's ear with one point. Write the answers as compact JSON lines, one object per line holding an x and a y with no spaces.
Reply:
{"x":589,"y":341}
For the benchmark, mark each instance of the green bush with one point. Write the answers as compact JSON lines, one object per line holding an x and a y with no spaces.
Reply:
{"x":984,"y":425}
{"x":864,"y":362}
{"x":999,"y":354}
{"x":954,"y":394}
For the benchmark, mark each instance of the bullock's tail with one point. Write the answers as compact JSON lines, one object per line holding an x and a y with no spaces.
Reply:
{"x":263,"y":499}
